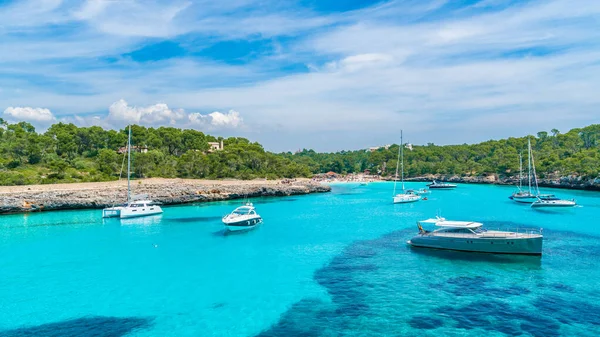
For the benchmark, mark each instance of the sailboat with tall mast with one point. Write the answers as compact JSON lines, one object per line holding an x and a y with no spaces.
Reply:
{"x":407,"y":195}
{"x":137,"y":205}
{"x":525,"y":197}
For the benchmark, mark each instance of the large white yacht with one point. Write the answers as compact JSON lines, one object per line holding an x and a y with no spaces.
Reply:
{"x":471,"y":237}
{"x":136,"y":206}
{"x":407,"y":195}
{"x":242,"y":218}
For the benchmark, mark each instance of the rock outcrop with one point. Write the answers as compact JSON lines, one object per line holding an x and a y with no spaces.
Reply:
{"x":166,"y":191}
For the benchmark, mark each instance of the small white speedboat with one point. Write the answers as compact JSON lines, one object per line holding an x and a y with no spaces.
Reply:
{"x":471,"y":237}
{"x":242,"y":218}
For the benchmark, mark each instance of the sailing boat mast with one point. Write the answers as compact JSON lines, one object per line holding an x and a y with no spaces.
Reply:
{"x":398,"y":164}
{"x":520,"y":171}
{"x":529,"y":162}
{"x":402,"y":163}
{"x":537,"y":188}
{"x":129,"y":166}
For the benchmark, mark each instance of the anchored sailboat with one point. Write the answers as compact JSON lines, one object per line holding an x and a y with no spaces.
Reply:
{"x":521,"y":196}
{"x":137,"y":205}
{"x":407,"y":195}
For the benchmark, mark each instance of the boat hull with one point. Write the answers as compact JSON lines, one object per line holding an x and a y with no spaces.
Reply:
{"x":242,"y":225}
{"x":524,"y":200}
{"x":406,"y":200}
{"x":127,"y":213}
{"x":432,"y":187}
{"x":553,"y":205}
{"x":521,"y":246}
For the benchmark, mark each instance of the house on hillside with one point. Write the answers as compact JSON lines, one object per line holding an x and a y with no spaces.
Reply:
{"x":215,"y":146}
{"x":141,"y":149}
{"x":375,"y":148}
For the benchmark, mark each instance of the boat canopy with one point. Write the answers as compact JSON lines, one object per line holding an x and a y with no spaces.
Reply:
{"x":441,"y":222}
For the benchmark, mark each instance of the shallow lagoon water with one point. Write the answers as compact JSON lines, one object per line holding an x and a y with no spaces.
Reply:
{"x":332,"y":264}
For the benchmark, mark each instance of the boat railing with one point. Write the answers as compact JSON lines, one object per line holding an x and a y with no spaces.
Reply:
{"x":491,"y":232}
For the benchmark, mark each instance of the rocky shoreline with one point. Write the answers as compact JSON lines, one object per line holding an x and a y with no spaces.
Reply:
{"x":167,"y":191}
{"x":569,"y":182}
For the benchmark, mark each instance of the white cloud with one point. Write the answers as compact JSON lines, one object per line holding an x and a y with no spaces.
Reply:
{"x":450,"y":77}
{"x":39,"y":117}
{"x":360,"y":61}
{"x":120,"y":112}
{"x":217,"y":119}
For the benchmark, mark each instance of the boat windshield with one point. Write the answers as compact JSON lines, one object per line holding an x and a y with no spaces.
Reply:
{"x":242,"y":211}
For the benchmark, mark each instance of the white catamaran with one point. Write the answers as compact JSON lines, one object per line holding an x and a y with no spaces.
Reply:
{"x":137,"y":205}
{"x":407,"y":195}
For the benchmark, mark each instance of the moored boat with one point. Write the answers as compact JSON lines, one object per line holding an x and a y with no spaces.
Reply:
{"x":472,"y":237}
{"x":436,"y":185}
{"x":553,"y":202}
{"x":136,"y":206}
{"x":407,"y":195}
{"x":521,"y":196}
{"x":242,"y":218}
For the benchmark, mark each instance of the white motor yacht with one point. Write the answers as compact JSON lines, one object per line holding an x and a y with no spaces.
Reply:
{"x":471,"y":237}
{"x":407,"y":195}
{"x":242,"y":218}
{"x":435,"y":185}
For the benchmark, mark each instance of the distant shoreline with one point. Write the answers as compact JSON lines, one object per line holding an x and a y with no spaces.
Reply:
{"x":570,"y":183}
{"x":30,"y":198}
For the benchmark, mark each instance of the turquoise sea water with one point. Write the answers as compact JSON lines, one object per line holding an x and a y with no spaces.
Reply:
{"x":332,"y":264}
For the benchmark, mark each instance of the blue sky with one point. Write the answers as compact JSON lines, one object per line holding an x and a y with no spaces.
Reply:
{"x":328,"y":75}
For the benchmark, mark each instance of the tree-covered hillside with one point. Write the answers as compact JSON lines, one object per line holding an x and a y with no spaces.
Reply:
{"x":576,"y":152}
{"x":67,"y":153}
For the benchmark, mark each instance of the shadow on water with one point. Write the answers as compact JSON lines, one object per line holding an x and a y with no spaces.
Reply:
{"x":96,"y":326}
{"x":353,"y":282}
{"x":196,"y":219}
{"x":225,"y":233}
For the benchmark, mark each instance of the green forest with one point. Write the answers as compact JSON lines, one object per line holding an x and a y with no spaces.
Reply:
{"x":67,"y":153}
{"x":576,"y":152}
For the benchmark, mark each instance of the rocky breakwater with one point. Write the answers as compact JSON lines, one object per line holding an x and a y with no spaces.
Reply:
{"x":556,"y":181}
{"x":15,"y":199}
